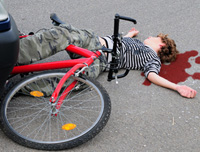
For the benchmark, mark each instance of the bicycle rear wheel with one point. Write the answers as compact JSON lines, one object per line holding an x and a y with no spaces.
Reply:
{"x":28,"y":119}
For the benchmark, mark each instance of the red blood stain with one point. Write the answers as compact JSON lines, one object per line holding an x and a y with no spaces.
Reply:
{"x":175,"y":71}
{"x":197,"y":60}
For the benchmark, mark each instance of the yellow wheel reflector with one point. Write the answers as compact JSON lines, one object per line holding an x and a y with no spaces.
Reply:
{"x":36,"y":93}
{"x":69,"y":126}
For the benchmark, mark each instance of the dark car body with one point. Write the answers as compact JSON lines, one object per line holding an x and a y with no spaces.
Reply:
{"x":9,"y":45}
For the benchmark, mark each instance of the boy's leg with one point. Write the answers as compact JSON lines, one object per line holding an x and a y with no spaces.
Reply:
{"x":47,"y":42}
{"x":81,"y":37}
{"x":97,"y":67}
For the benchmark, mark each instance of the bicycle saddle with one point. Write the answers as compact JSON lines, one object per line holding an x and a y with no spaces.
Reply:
{"x":55,"y":19}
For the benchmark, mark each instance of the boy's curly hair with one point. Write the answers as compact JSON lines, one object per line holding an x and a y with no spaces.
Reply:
{"x":168,"y":52}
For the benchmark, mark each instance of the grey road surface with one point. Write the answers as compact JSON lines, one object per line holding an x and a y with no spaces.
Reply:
{"x":143,"y":119}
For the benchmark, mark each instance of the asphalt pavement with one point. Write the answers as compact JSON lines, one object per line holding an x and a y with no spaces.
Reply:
{"x":144,"y":118}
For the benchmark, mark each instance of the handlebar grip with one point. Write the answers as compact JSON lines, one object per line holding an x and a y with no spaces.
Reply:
{"x":56,"y":19}
{"x":126,"y":18}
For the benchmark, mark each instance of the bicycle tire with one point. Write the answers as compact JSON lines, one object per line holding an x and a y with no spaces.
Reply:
{"x":24,"y":120}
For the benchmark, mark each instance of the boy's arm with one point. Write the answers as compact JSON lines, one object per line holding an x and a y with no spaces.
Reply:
{"x":182,"y":90}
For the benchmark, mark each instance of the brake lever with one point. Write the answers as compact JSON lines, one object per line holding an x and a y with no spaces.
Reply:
{"x":116,"y":77}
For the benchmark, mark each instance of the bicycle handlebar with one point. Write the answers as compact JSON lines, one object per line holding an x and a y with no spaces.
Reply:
{"x":126,"y":18}
{"x":117,"y":41}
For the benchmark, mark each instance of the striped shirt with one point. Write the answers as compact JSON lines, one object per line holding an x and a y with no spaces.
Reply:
{"x":135,"y":55}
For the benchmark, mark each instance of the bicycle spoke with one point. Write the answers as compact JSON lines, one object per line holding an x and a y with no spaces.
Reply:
{"x":80,"y":103}
{"x":33,"y":107}
{"x":38,"y":128}
{"x":87,"y":108}
{"x":26,"y":124}
{"x":62,"y":122}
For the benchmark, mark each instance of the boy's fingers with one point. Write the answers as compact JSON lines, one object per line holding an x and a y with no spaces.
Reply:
{"x":191,"y":94}
{"x":133,"y":29}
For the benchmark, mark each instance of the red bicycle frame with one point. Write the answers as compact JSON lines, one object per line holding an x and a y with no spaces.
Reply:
{"x":75,"y":64}
{"x":89,"y":58}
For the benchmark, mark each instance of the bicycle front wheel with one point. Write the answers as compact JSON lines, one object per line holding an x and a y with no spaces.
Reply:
{"x":27,"y":115}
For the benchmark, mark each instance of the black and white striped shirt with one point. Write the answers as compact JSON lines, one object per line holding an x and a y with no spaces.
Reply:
{"x":136,"y":56}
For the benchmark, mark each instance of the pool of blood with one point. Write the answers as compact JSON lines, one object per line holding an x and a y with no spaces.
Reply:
{"x":175,"y":71}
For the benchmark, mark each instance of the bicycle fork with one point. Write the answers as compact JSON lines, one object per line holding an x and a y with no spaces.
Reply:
{"x":54,"y":100}
{"x":57,"y":102}
{"x":57,"y":105}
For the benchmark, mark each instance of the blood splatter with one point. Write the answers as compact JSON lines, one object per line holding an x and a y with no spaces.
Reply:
{"x":197,"y":60}
{"x":175,"y":71}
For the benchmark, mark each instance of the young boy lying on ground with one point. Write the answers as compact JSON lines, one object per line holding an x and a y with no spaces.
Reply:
{"x":146,"y":56}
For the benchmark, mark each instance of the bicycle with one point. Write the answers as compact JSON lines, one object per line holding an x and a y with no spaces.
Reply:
{"x":73,"y":110}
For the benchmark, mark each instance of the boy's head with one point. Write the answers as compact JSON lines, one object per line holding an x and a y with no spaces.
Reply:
{"x":167,"y":52}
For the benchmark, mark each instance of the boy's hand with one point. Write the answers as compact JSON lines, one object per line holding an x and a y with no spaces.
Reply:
{"x":186,"y":91}
{"x":133,"y":32}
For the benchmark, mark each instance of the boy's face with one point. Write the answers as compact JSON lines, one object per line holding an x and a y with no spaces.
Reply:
{"x":154,"y":41}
